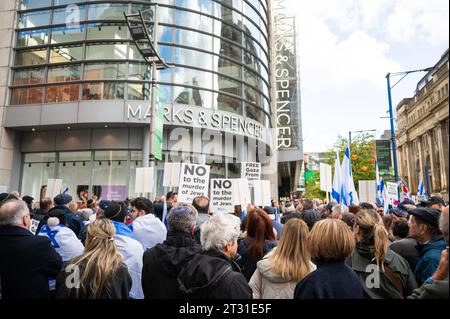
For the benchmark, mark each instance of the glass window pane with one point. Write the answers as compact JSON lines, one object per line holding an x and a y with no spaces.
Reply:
{"x":33,"y":4}
{"x":66,"y":54}
{"x":252,"y":96}
{"x":134,"y":53}
{"x":67,"y":34}
{"x":107,"y":11}
{"x":62,"y":2}
{"x":106,"y":31}
{"x":252,"y":79}
{"x":31,"y":38}
{"x":193,"y":39}
{"x":139,"y":91}
{"x":26,"y":96}
{"x":110,"y":71}
{"x":34,"y":19}
{"x":192,"y":96}
{"x":74,"y":168}
{"x":227,"y":67}
{"x":103,"y":91}
{"x":193,"y":58}
{"x":139,"y":71}
{"x":204,"y":6}
{"x":35,"y":176}
{"x":62,"y":93}
{"x":69,"y":15}
{"x":31,"y":57}
{"x":255,"y":113}
{"x":228,"y":104}
{"x":192,"y":77}
{"x":106,"y":51}
{"x":62,"y":74}
{"x":194,"y":21}
{"x":167,"y":89}
{"x":231,"y":51}
{"x":28,"y":76}
{"x":110,"y":175}
{"x":136,"y":157}
{"x":229,"y":86}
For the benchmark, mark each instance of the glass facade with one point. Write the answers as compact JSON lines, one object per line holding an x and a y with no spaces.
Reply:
{"x":219,"y":50}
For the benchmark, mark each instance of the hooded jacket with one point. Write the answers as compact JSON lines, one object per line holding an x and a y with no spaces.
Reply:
{"x":429,"y":257}
{"x":212,"y":275}
{"x":366,"y":269}
{"x":72,"y":221}
{"x":163,"y":263}
{"x":249,"y":265}
{"x":266,"y":284}
{"x":149,"y":230}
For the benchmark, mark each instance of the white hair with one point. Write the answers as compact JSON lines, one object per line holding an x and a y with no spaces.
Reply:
{"x":218,"y":230}
{"x":12,"y":212}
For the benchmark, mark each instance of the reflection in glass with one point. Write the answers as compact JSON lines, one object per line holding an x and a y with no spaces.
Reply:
{"x":67,"y":34}
{"x":103,"y":91}
{"x":66,"y":54}
{"x":193,"y":39}
{"x":31,"y":57}
{"x":107,"y":11}
{"x":62,"y":93}
{"x":109,"y":71}
{"x":74,"y":168}
{"x":36,"y":172}
{"x":229,"y":104}
{"x":194,"y":20}
{"x":31,"y":38}
{"x":192,"y":77}
{"x":229,"y":86}
{"x":106,"y":31}
{"x":106,"y":51}
{"x":139,"y":71}
{"x":139,"y":91}
{"x":31,"y":95}
{"x":28,"y":76}
{"x":254,"y":113}
{"x":34,"y":19}
{"x":69,"y":15}
{"x":193,"y":58}
{"x":192,"y":96}
{"x":64,"y":73}
{"x":33,"y":4}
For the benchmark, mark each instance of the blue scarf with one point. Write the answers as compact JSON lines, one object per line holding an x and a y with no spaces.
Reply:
{"x":124,"y":230}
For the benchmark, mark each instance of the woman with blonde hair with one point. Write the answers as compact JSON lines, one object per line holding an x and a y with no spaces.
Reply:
{"x":99,"y":273}
{"x":330,"y":243}
{"x":383,"y":273}
{"x":278,"y":273}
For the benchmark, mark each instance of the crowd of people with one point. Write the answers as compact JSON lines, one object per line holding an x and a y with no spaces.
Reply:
{"x":299,"y":249}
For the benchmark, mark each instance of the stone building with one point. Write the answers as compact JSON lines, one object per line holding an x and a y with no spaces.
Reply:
{"x":423,"y":136}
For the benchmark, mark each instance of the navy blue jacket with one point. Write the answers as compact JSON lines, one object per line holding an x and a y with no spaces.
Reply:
{"x":72,"y":221}
{"x":26,"y":263}
{"x":429,"y":257}
{"x":331,"y":280}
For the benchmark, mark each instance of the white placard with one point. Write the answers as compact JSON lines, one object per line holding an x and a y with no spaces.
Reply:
{"x":171,"y":174}
{"x":3,"y":189}
{"x":262,"y":193}
{"x":144,"y":180}
{"x":325,"y":178}
{"x":222,"y":194}
{"x":251,"y":171}
{"x":392,"y":190}
{"x":368,"y":191}
{"x":34,"y":226}
{"x":54,"y":187}
{"x":194,"y":181}
{"x":242,"y":192}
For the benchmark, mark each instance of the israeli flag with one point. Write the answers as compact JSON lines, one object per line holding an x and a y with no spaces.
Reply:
{"x":336,"y":189}
{"x":379,"y":186}
{"x":385,"y":198}
{"x":349,"y":197}
{"x":421,"y":190}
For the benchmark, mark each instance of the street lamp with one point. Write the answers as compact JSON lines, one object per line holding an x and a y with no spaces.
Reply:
{"x":391,"y":111}
{"x":148,"y":49}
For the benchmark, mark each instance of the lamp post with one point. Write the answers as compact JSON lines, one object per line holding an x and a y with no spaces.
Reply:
{"x":148,"y":49}
{"x":391,"y":111}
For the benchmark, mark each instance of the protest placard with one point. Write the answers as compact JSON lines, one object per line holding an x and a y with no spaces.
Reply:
{"x":144,"y":180}
{"x":194,"y":181}
{"x":241,"y":192}
{"x":262,"y":193}
{"x":53,"y":187}
{"x":222,"y":194}
{"x":251,"y":171}
{"x":171,"y":174}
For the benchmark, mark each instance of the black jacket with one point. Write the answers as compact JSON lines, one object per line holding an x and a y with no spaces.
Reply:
{"x":212,"y":275}
{"x":72,"y":221}
{"x":163,"y":263}
{"x":26,"y":263}
{"x":248,"y":265}
{"x":119,"y":286}
{"x":407,"y":249}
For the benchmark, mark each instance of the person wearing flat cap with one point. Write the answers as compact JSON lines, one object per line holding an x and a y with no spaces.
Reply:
{"x":73,"y":222}
{"x":436,"y":202}
{"x":424,"y":227}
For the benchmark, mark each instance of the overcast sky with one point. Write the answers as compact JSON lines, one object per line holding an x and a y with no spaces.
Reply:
{"x":346,"y":49}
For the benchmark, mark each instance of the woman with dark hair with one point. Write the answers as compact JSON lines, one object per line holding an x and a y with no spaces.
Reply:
{"x":260,"y":240}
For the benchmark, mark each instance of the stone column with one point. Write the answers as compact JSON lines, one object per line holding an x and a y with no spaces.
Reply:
{"x":431,"y":148}
{"x":440,"y":146}
{"x":7,"y":18}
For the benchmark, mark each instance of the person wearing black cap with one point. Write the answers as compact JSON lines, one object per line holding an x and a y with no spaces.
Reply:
{"x":435,"y":202}
{"x":72,"y":221}
{"x":424,"y":227}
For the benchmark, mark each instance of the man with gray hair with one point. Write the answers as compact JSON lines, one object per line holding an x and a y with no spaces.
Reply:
{"x":26,"y":261}
{"x":213,"y":274}
{"x":163,"y":263}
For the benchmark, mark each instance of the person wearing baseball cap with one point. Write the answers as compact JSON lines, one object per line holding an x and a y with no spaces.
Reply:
{"x":424,"y":227}
{"x":74,"y":222}
{"x":436,"y":202}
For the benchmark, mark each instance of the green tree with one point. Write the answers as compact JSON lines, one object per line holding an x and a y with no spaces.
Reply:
{"x":312,"y":187}
{"x":362,"y":156}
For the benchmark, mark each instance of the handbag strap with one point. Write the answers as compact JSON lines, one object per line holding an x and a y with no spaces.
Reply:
{"x":394,"y":279}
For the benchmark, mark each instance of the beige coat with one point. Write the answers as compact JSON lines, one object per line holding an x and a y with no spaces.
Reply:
{"x":266,"y":284}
